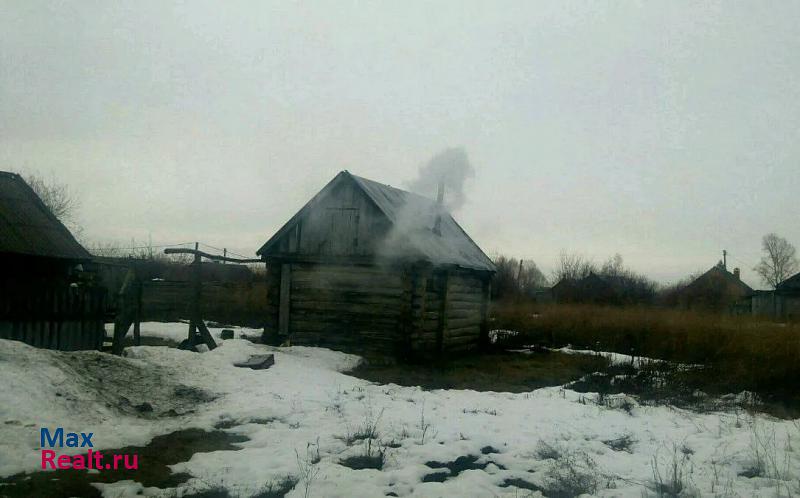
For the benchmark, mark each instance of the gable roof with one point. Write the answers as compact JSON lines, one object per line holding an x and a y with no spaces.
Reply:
{"x":27,"y":227}
{"x":413,"y":218}
{"x":790,"y":284}
{"x":720,"y":271}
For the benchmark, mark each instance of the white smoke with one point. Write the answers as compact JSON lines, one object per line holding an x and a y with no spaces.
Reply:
{"x":450,"y":167}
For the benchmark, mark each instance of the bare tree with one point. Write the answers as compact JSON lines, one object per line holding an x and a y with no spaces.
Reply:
{"x":573,"y":266}
{"x":516,"y":278}
{"x":613,"y":266}
{"x":530,"y":277}
{"x":778,"y":262}
{"x":56,"y":197}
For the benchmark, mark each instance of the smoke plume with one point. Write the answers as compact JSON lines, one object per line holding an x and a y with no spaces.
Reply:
{"x":451,"y":167}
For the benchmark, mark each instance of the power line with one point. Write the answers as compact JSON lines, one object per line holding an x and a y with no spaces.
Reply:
{"x":114,"y":248}
{"x":225,"y":250}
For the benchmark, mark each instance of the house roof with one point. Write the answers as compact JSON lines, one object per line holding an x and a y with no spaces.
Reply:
{"x":413,"y":218}
{"x":720,"y":271}
{"x":790,"y":284}
{"x":591,"y":282}
{"x":27,"y":227}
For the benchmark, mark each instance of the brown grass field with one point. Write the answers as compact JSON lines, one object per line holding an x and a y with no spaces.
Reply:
{"x":739,"y":353}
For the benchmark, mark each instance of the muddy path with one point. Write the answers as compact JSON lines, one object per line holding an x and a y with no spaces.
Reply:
{"x":153,"y":470}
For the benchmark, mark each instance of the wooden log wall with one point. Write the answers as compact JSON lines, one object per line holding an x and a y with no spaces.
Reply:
{"x":348,"y":307}
{"x":273,"y":286}
{"x":449,"y":312}
{"x":53,"y":316}
{"x":465,"y":299}
{"x":376,"y":310}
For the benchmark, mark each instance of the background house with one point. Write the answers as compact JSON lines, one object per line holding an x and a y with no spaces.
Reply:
{"x":370,"y":268}
{"x":783,"y":303}
{"x":46,"y":301}
{"x":716,"y":290}
{"x":591,"y":289}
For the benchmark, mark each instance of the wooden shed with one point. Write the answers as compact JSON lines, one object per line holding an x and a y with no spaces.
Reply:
{"x":369,"y":268}
{"x":43,"y":299}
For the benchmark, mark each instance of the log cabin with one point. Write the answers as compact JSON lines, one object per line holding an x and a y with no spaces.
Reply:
{"x":45,"y":300}
{"x":368,"y":268}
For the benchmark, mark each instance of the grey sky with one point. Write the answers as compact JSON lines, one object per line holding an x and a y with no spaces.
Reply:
{"x":665,"y":131}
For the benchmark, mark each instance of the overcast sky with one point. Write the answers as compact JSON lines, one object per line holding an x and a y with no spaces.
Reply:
{"x":664,"y":131}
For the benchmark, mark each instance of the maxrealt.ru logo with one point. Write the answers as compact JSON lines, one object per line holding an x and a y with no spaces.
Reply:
{"x":91,"y":460}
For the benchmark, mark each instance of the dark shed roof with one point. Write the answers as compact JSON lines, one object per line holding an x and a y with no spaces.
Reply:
{"x":413,"y":218}
{"x":791,"y":284}
{"x":27,"y":227}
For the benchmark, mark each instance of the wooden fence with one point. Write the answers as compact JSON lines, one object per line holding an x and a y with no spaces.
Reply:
{"x":239,"y":303}
{"x":53,"y":316}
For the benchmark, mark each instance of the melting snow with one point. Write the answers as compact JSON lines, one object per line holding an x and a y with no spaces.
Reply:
{"x":304,"y":407}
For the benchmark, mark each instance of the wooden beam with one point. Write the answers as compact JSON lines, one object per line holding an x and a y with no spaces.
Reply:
{"x":483,"y":342}
{"x":442,"y":330}
{"x":214,"y":257}
{"x":283,"y":312}
{"x":206,"y":335}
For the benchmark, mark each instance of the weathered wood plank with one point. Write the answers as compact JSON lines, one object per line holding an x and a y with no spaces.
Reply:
{"x":367,"y":309}
{"x":283,"y":313}
{"x":442,"y":332}
{"x":463,"y":322}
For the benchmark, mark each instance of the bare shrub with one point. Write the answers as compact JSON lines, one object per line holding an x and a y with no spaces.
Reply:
{"x":276,"y":488}
{"x":373,"y":456}
{"x":307,"y":468}
{"x":669,"y":479}
{"x":573,"y":474}
{"x":769,"y":460}
{"x":546,"y":451}
{"x":424,"y":427}
{"x":368,"y":429}
{"x":623,"y":443}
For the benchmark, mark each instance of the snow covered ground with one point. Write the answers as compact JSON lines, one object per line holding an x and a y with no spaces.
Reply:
{"x":178,"y":331}
{"x":303,"y":418}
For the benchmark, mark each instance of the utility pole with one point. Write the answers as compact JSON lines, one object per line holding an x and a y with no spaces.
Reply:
{"x":725,"y":259}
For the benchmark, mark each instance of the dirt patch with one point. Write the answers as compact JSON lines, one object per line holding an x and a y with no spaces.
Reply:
{"x":455,"y":467}
{"x":521,"y":484}
{"x":499,"y":371}
{"x":108,"y":380}
{"x":154,"y":460}
{"x":360,"y":462}
{"x":436,"y":477}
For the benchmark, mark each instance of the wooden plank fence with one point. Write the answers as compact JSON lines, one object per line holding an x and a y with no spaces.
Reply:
{"x":53,"y":316}
{"x":240,"y":303}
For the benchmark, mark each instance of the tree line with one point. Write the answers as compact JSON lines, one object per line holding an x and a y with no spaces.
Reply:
{"x":514,"y":277}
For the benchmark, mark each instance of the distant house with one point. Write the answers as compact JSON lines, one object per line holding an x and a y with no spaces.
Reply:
{"x":370,"y":268}
{"x":591,"y":289}
{"x":717,"y":289}
{"x":43,"y":300}
{"x":783,"y":303}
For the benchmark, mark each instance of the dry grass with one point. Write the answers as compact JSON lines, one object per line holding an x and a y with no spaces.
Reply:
{"x":742,"y":353}
{"x":502,"y":372}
